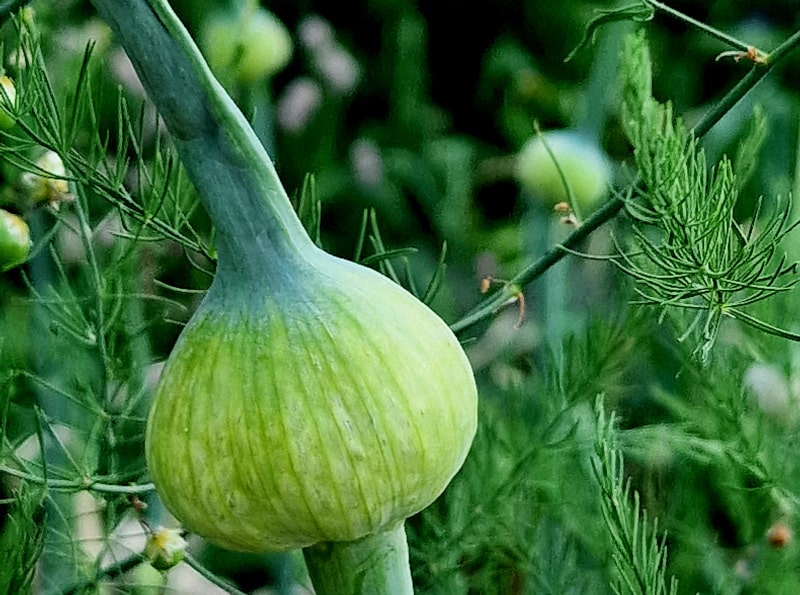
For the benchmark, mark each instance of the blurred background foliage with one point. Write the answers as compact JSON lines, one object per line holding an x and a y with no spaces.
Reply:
{"x":417,"y":111}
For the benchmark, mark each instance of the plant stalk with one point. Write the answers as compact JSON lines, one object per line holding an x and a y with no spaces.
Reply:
{"x":376,"y":563}
{"x":232,"y":172}
{"x":711,"y":31}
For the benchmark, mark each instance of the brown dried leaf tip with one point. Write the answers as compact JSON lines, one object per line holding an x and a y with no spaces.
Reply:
{"x":752,"y":54}
{"x":517,"y":297}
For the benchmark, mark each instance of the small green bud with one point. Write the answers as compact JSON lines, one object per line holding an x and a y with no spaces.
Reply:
{"x":15,"y":240}
{"x":52,"y":189}
{"x":254,"y":45}
{"x":8,"y":100}
{"x":165,"y":548}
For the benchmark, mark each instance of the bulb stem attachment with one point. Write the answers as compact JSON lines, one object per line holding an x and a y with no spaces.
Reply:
{"x":376,"y":563}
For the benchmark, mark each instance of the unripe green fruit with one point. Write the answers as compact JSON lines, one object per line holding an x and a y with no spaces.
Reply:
{"x":254,"y":44}
{"x":51,"y":188}
{"x":6,"y":119}
{"x":328,"y":407}
{"x":15,"y":240}
{"x":585,"y":167}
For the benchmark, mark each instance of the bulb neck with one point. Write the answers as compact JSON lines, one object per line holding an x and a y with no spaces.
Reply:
{"x":234,"y":177}
{"x":258,"y":234}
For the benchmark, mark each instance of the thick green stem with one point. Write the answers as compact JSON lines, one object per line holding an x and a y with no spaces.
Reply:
{"x":373,"y":564}
{"x":235,"y":178}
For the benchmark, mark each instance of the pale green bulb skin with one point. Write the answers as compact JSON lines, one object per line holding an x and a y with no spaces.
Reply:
{"x":324,"y":413}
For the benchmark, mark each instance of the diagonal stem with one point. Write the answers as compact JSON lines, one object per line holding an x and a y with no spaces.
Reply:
{"x":613,"y":206}
{"x":716,"y":33}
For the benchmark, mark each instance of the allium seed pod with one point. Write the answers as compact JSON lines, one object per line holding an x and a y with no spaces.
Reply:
{"x":309,"y":401}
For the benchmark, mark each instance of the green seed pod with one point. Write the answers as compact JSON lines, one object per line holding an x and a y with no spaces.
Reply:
{"x":254,"y":44}
{"x":585,"y":167}
{"x":15,"y":240}
{"x":52,"y":187}
{"x":8,"y":98}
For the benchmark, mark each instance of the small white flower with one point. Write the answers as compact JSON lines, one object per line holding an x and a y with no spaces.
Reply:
{"x":768,"y":386}
{"x":339,"y":69}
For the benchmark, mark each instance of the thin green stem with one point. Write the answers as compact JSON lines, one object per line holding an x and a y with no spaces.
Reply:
{"x":612,"y":207}
{"x":780,"y":52}
{"x":234,"y":176}
{"x":761,"y":325}
{"x":573,"y":204}
{"x":66,"y":485}
{"x":115,"y":569}
{"x":132,"y":561}
{"x":210,"y":576}
{"x":716,"y":33}
{"x":507,"y":293}
{"x":99,"y":338}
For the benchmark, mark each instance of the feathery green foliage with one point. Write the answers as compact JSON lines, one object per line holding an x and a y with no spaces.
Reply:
{"x":692,"y":253}
{"x":162,"y":205}
{"x":22,"y":533}
{"x":639,"y":556}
